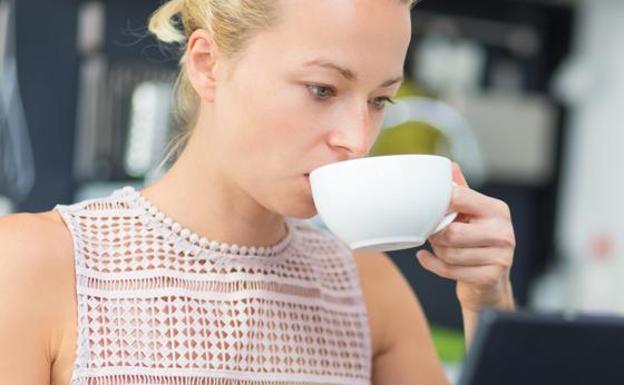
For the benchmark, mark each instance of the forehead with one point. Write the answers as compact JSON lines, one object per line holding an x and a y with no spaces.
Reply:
{"x":355,"y":33}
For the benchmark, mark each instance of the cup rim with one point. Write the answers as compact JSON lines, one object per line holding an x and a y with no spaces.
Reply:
{"x":431,"y":156}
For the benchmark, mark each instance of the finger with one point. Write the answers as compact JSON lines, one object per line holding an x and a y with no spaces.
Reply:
{"x":482,"y":275}
{"x":467,"y":201}
{"x":478,"y":256}
{"x":458,"y":175}
{"x":475,"y":234}
{"x":463,"y":256}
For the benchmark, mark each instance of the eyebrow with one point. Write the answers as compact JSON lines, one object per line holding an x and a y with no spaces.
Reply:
{"x":347,"y":73}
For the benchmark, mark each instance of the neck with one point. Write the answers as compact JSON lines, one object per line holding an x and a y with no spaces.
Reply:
{"x":195,"y":193}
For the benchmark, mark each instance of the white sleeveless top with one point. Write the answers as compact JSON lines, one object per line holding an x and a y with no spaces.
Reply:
{"x":158,"y":304}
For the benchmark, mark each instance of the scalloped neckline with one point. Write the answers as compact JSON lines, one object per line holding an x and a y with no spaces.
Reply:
{"x":202,"y":242}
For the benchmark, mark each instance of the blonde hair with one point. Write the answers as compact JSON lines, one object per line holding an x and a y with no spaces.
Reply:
{"x":231,"y":24}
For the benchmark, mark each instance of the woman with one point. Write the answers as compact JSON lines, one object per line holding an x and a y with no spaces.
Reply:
{"x":163,"y":285}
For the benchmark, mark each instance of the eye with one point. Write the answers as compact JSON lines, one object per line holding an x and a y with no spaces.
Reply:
{"x":380,"y":103}
{"x":321,"y":92}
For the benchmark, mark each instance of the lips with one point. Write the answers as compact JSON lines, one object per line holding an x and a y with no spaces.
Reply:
{"x":322,"y":165}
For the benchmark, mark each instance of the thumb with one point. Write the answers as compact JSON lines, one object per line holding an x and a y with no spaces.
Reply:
{"x":458,"y":175}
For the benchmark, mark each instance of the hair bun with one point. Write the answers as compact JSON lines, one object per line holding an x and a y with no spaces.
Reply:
{"x":163,"y":23}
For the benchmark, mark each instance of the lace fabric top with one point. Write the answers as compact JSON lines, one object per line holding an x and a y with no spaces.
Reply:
{"x":158,"y":304}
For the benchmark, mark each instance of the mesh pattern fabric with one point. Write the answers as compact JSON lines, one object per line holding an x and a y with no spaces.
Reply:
{"x":158,"y":304}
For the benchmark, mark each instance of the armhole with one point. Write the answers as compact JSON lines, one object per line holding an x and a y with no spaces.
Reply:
{"x":81,"y":311}
{"x":349,"y":258}
{"x":69,"y":222}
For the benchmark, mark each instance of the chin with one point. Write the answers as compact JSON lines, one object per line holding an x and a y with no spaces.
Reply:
{"x":296,"y":202}
{"x":303,"y":209}
{"x":306,"y":215}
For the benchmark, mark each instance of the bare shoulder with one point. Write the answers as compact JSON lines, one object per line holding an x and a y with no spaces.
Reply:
{"x":34,"y":243}
{"x":37,"y":250}
{"x":23,"y":226}
{"x":382,"y":280}
{"x":403,"y":350}
{"x":384,"y":288}
{"x":36,"y":257}
{"x":375,"y":267}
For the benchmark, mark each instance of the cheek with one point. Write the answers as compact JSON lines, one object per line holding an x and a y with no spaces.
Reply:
{"x":284,"y":119}
{"x":264,"y":137}
{"x":274,"y":124}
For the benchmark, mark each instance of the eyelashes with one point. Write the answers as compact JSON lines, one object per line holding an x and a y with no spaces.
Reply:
{"x":384,"y":100}
{"x":323,"y":93}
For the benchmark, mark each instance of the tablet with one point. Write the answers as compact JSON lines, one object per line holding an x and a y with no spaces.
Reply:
{"x":545,"y":349}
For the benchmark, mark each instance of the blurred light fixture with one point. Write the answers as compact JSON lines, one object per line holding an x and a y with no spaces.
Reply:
{"x":149,"y":127}
{"x":463,"y":144}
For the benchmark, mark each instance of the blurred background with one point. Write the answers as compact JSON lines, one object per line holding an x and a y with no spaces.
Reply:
{"x":525,"y":95}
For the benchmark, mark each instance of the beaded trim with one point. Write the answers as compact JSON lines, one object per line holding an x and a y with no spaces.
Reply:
{"x":202,"y":242}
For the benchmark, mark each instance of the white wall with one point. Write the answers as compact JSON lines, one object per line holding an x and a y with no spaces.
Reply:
{"x":590,"y":231}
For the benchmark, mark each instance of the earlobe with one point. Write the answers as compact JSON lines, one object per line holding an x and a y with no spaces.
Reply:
{"x":201,"y":64}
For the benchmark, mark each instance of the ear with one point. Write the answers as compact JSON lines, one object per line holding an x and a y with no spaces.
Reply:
{"x":201,"y":63}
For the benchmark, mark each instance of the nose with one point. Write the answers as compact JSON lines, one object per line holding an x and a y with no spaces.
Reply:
{"x":353,"y":133}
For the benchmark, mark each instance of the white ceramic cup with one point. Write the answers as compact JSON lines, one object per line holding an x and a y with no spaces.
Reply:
{"x":384,"y":203}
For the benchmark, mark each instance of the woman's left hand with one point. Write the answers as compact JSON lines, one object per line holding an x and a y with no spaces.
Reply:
{"x":476,"y":250}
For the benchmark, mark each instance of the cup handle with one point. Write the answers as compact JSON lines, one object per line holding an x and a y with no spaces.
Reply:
{"x":447,"y":220}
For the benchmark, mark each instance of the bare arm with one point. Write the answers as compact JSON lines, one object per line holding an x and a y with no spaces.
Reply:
{"x":27,"y":299}
{"x":471,"y":317}
{"x":403,"y":351}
